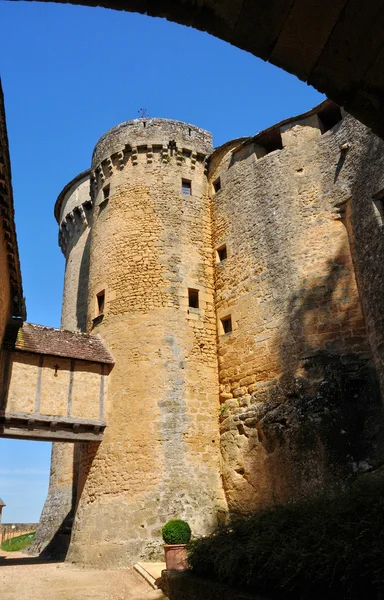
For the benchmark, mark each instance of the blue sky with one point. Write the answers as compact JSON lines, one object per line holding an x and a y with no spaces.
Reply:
{"x":70,"y":73}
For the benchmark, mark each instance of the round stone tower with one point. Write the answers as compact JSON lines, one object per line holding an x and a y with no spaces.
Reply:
{"x":150,"y":296}
{"x":73,"y":212}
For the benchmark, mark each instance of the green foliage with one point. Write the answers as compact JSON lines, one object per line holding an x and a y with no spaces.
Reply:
{"x":19,"y":542}
{"x":176,"y":532}
{"x":325,"y":547}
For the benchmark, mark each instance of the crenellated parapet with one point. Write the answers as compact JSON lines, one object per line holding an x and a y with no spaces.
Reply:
{"x":163,"y":149}
{"x":73,"y":210}
{"x":74,"y":222}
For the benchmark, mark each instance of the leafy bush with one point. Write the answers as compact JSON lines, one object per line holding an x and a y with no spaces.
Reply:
{"x":325,"y":547}
{"x":176,"y":532}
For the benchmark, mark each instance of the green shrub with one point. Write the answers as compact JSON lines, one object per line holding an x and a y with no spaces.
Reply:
{"x":176,"y":532}
{"x":326,"y":547}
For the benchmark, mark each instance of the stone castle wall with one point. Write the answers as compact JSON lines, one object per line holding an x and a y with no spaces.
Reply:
{"x":300,"y":400}
{"x":271,"y":236}
{"x":150,"y":243}
{"x":74,"y":214}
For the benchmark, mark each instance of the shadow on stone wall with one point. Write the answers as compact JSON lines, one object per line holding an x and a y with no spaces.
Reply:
{"x":82,"y":293}
{"x":321,"y":423}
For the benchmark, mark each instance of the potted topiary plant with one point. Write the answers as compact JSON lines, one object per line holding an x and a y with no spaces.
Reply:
{"x":176,"y":535}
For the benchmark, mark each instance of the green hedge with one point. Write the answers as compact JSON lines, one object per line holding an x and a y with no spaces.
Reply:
{"x":323,"y":548}
{"x":176,"y":531}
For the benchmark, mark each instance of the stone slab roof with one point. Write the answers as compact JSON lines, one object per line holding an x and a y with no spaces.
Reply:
{"x":28,"y":337}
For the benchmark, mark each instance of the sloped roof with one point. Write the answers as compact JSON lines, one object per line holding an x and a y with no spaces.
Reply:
{"x":28,"y":337}
{"x":2,"y":503}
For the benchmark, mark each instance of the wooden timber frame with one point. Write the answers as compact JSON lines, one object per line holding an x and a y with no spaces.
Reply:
{"x":39,"y":427}
{"x":53,"y":384}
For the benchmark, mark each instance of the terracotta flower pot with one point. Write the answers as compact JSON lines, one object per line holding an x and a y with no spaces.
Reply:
{"x":176,"y":558}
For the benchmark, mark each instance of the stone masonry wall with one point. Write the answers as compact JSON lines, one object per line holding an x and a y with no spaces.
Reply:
{"x":279,"y":247}
{"x":74,"y":214}
{"x":149,"y":243}
{"x":55,"y":524}
{"x":75,"y":221}
{"x":300,"y":399}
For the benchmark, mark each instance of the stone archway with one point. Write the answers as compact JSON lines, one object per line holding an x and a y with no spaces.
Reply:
{"x":334,"y":45}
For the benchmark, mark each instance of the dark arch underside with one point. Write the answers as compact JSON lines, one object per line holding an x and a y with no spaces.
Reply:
{"x":337,"y":46}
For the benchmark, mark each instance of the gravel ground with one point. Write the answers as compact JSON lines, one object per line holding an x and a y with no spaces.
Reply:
{"x":26,"y":578}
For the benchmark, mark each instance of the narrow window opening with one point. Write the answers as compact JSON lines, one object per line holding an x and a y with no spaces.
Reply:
{"x":270,"y":141}
{"x":226,"y":323}
{"x":189,"y":131}
{"x":217,"y":185}
{"x":186,"y":187}
{"x":222,"y":253}
{"x":106,"y":193}
{"x":144,"y":124}
{"x":193,"y":298}
{"x":329,"y":117}
{"x":100,"y":297}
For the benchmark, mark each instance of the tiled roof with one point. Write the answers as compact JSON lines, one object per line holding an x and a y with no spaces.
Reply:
{"x":55,"y":342}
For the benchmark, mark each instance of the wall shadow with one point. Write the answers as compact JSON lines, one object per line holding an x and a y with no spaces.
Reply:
{"x":53,"y":536}
{"x":83,"y":283}
{"x":321,"y":423}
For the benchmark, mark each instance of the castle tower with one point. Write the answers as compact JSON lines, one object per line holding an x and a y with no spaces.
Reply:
{"x":73,"y":212}
{"x":236,"y":278}
{"x":150,"y":296}
{"x":292,"y":342}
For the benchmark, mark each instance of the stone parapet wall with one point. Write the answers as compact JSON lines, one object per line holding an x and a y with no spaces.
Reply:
{"x":155,"y":132}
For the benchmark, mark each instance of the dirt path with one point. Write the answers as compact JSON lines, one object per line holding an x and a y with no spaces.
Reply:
{"x":25,"y":578}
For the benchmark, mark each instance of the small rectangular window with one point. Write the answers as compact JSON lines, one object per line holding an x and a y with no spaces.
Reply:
{"x":106,"y":193}
{"x":226,"y":323}
{"x":270,"y":141}
{"x":186,"y":187}
{"x":329,"y":116}
{"x":193,"y":298}
{"x":221,"y":253}
{"x":100,"y":297}
{"x":217,"y":185}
